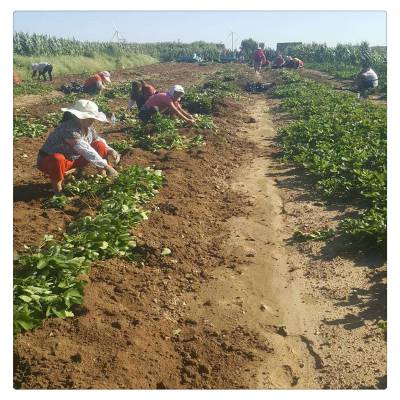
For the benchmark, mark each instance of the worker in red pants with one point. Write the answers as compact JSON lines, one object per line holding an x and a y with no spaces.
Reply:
{"x":74,"y":144}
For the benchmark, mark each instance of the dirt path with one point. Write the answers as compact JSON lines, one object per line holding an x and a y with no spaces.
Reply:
{"x":260,"y":294}
{"x":316,"y":312}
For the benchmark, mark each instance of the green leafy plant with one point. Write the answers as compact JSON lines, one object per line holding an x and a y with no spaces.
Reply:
{"x":161,"y":133}
{"x":66,"y":99}
{"x":52,"y":119}
{"x":122,"y":145}
{"x":316,"y":235}
{"x":102,"y":102}
{"x":121,"y":90}
{"x":382,"y":324}
{"x":32,"y":87}
{"x":198,"y":102}
{"x":342,"y":141}
{"x":48,"y":280}
{"x":205,"y":122}
{"x":22,"y":127}
{"x":56,"y":202}
{"x":88,"y":186}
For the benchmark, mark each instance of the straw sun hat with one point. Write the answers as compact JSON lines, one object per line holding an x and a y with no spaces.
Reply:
{"x":84,"y":109}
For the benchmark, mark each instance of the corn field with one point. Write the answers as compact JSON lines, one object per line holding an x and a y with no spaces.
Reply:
{"x":342,"y":53}
{"x":44,"y":45}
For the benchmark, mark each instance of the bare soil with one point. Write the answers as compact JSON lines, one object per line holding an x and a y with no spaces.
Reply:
{"x":237,"y":304}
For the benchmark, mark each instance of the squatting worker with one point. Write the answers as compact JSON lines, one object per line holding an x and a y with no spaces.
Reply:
{"x":95,"y":84}
{"x":166,"y":103}
{"x":140,"y":93}
{"x":74,"y":144}
{"x":16,"y":79}
{"x":297,"y":63}
{"x":279,"y":61}
{"x":289,"y":63}
{"x":366,"y":79}
{"x":42,"y":69}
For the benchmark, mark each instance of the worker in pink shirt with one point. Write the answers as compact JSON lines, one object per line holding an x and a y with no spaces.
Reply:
{"x":165,"y":103}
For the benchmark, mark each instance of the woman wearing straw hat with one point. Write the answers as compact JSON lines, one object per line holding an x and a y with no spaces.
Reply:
{"x":74,"y":144}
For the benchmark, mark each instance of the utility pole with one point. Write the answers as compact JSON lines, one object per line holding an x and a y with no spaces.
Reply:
{"x":231,"y":35}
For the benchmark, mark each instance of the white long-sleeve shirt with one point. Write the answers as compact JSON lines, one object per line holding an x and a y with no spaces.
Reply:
{"x":370,"y":76}
{"x":56,"y":143}
{"x":39,"y":66}
{"x":84,"y":149}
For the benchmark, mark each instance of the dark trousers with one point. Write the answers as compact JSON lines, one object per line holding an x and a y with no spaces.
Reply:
{"x":145,"y":114}
{"x":46,"y":70}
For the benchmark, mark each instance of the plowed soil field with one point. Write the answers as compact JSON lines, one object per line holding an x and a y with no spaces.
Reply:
{"x":237,"y":304}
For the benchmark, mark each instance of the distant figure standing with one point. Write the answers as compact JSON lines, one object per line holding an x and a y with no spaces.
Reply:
{"x":95,"y":84}
{"x":140,"y":93}
{"x":259,"y":59}
{"x":366,"y":79}
{"x":42,"y":69}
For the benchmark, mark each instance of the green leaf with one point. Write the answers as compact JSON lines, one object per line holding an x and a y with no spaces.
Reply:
{"x":41,"y":264}
{"x":104,"y":245}
{"x":27,"y":299}
{"x":26,"y":324}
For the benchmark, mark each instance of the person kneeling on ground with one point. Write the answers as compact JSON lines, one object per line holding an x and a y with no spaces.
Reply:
{"x":42,"y":68}
{"x":74,"y":144}
{"x":366,"y":79}
{"x":297,"y":63}
{"x":140,"y":93}
{"x":289,"y":63}
{"x":279,"y":61}
{"x":16,"y":79}
{"x":166,"y":103}
{"x":95,"y":84}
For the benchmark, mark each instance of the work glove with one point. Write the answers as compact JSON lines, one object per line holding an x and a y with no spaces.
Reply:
{"x":111,"y":171}
{"x":115,"y":155}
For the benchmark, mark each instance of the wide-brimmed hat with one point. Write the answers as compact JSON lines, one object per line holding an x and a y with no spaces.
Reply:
{"x":84,"y":109}
{"x":105,"y":75}
{"x":176,"y":89}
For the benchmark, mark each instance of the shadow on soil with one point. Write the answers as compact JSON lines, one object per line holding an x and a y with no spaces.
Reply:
{"x":371,"y":304}
{"x":305,"y":184}
{"x":32,"y":191}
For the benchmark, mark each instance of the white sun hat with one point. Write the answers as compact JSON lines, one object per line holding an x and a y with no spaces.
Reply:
{"x":106,"y":75}
{"x":84,"y":109}
{"x":176,"y":88}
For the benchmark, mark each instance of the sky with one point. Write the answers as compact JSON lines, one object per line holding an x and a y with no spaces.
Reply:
{"x":270,"y":27}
